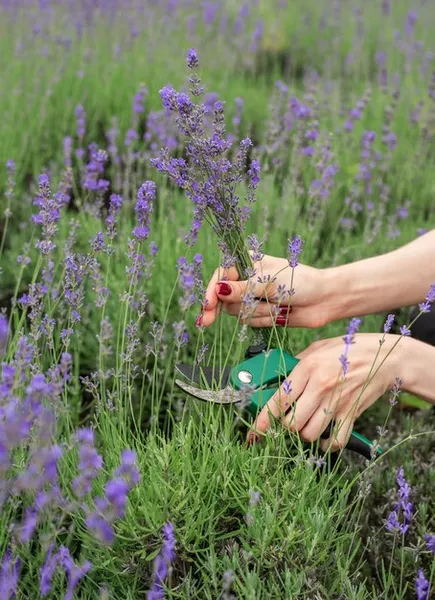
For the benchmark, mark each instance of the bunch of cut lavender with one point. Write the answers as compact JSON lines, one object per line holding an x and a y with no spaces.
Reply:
{"x":207,"y":175}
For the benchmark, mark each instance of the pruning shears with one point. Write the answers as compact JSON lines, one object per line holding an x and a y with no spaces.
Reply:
{"x":253,"y":382}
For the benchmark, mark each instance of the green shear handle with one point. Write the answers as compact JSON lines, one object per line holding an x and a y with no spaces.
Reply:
{"x":264,"y":370}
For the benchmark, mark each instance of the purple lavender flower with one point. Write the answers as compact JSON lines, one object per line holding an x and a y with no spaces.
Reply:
{"x":138,"y":100}
{"x":116,"y":492}
{"x":162,"y":563}
{"x":389,"y":323}
{"x":97,"y":243}
{"x":186,"y":280}
{"x":255,"y":246}
{"x":144,"y":206}
{"x":348,"y":341}
{"x":421,"y":586}
{"x":48,"y":215}
{"x":4,"y":332}
{"x":430,"y":543}
{"x":73,"y":572}
{"x":90,"y":462}
{"x":9,"y":574}
{"x":404,"y":330}
{"x":396,"y":390}
{"x":95,"y":168}
{"x":287,"y":387}
{"x":29,"y":524}
{"x":128,"y":468}
{"x":254,"y":173}
{"x":130,"y":137}
{"x":101,"y":528}
{"x":295,"y":246}
{"x":402,"y":507}
{"x":430,"y":298}
{"x":209,"y":179}
{"x":80,"y":121}
{"x":47,"y":571}
{"x":192,"y":59}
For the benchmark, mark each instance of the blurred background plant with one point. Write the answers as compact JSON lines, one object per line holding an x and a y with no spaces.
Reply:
{"x":100,"y":293}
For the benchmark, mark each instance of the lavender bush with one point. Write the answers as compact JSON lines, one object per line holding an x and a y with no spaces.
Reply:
{"x":303,"y":131}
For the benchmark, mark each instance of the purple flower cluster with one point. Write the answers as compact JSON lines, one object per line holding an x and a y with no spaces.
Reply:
{"x":403,"y":507}
{"x":4,"y":332}
{"x":90,"y":462}
{"x":49,"y":213}
{"x":294,"y":246}
{"x":112,"y":505}
{"x":9,"y":575}
{"x":163,"y":562}
{"x":348,"y":341}
{"x":61,"y":559}
{"x":208,"y":177}
{"x":422,"y":588}
{"x":430,"y":299}
{"x":389,"y":323}
{"x":144,"y":207}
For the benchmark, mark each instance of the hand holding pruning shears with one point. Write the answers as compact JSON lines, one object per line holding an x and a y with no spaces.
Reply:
{"x":307,"y":297}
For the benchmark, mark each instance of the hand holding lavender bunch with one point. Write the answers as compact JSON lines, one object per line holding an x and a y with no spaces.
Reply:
{"x":207,"y":175}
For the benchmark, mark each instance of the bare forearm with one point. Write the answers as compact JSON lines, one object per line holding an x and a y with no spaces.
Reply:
{"x":399,"y":278}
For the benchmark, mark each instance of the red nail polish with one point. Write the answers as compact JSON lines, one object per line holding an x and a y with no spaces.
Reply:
{"x":253,"y":437}
{"x":281,"y":321}
{"x":224,"y":289}
{"x":198,"y":321}
{"x":285,"y":310}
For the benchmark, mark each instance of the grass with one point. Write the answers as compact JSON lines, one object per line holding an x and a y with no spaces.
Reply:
{"x":311,"y":535}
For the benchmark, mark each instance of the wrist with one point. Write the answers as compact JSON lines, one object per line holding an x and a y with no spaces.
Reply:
{"x":335,"y":297}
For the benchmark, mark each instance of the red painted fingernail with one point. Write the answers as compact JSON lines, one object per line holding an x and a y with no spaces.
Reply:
{"x":198,"y":321}
{"x":285,"y":310}
{"x":223,"y":289}
{"x":253,"y":437}
{"x":281,"y":321}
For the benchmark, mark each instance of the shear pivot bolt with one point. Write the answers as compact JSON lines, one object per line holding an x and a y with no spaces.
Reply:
{"x":245,"y":376}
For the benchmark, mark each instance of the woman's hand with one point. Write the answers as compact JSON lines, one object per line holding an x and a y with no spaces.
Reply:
{"x":319,"y":395}
{"x":291,"y":297}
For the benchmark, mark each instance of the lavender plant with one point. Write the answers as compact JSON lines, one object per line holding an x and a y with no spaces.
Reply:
{"x":95,"y":302}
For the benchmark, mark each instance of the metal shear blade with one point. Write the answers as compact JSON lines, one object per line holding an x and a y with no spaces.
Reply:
{"x":227,"y":395}
{"x":213,"y":376}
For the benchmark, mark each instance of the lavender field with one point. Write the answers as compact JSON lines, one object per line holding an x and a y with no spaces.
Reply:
{"x":143,"y":145}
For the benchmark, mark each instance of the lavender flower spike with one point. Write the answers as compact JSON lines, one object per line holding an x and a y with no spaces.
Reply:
{"x":430,"y":298}
{"x":421,"y":586}
{"x":403,"y":506}
{"x":163,"y":562}
{"x":348,"y":341}
{"x":9,"y":574}
{"x":295,"y":246}
{"x":430,"y":543}
{"x":192,"y":59}
{"x":4,"y":330}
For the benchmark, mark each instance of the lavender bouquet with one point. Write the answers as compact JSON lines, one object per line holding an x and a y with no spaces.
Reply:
{"x":211,"y":174}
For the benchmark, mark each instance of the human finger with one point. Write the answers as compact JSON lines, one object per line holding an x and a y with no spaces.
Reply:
{"x":303,"y":409}
{"x":340,"y":433}
{"x":220,"y":274}
{"x":281,"y":401}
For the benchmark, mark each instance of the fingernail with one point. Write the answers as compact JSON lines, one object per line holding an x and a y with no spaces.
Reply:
{"x":223,"y":289}
{"x":281,"y":321}
{"x":253,"y":438}
{"x":285,"y":310}
{"x":198,"y":321}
